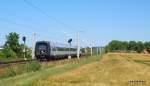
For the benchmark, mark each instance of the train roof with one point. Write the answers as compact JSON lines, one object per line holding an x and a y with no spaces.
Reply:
{"x":55,"y":44}
{"x":43,"y":42}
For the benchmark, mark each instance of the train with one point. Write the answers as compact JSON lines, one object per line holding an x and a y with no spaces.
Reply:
{"x":47,"y":50}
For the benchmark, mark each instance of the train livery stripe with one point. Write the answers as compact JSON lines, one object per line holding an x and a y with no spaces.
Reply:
{"x":63,"y":52}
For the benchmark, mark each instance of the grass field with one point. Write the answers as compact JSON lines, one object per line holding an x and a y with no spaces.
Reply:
{"x":53,"y":68}
{"x":114,"y":69}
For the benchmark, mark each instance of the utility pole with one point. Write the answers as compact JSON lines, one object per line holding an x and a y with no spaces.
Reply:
{"x":91,"y":49}
{"x":97,"y":50}
{"x":78,"y":46}
{"x":100,"y":50}
{"x":33,"y":45}
{"x":85,"y":50}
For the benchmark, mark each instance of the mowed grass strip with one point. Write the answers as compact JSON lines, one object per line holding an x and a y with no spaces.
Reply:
{"x":112,"y":70}
{"x":28,"y":78}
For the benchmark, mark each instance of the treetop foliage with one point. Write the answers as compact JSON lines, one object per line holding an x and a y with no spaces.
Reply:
{"x":12,"y":48}
{"x":128,"y":46}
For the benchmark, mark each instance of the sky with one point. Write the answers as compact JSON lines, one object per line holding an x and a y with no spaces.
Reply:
{"x":97,"y":21}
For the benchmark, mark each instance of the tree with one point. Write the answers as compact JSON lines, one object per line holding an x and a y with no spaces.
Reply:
{"x":132,"y":46}
{"x":116,"y":45}
{"x":12,"y":42}
{"x":1,"y":54}
{"x":7,"y":52}
{"x":147,"y":46}
{"x":12,"y":48}
{"x":139,"y":47}
{"x":124,"y":46}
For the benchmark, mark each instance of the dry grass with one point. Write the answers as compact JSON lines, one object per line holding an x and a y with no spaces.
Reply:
{"x":112,"y":70}
{"x":48,"y":69}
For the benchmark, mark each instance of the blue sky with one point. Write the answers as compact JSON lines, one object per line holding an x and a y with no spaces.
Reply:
{"x":98,"y":21}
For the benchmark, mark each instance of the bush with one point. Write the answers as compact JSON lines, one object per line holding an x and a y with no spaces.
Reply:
{"x":20,"y":69}
{"x":1,"y":54}
{"x":34,"y":66}
{"x":8,"y":53}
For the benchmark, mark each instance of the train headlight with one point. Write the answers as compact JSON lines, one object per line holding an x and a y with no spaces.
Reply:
{"x":43,"y":52}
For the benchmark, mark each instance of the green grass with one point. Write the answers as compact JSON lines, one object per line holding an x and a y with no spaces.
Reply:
{"x":27,"y":78}
{"x":14,"y":70}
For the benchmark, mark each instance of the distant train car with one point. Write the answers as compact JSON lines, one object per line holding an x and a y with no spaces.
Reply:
{"x":49,"y":50}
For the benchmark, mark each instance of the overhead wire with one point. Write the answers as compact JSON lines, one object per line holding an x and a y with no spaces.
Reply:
{"x":51,"y":17}
{"x":47,"y":15}
{"x":15,"y":23}
{"x":22,"y":26}
{"x":31,"y":27}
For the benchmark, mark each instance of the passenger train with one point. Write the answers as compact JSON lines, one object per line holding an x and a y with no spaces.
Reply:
{"x":50,"y":50}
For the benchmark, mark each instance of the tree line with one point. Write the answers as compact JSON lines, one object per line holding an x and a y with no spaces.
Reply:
{"x":128,"y":46}
{"x":13,"y":49}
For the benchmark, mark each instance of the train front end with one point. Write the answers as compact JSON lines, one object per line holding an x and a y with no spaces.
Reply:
{"x":42,"y":50}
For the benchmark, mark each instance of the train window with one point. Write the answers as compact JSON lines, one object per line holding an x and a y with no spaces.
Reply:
{"x":65,"y":49}
{"x":42,"y":47}
{"x":60,"y":49}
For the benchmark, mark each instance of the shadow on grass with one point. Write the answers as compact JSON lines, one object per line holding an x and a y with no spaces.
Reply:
{"x":146,"y":62}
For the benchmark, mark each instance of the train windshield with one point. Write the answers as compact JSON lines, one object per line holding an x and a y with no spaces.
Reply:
{"x":42,"y":46}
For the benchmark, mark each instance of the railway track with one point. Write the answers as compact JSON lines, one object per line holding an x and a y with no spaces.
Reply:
{"x":10,"y":63}
{"x":6,"y":64}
